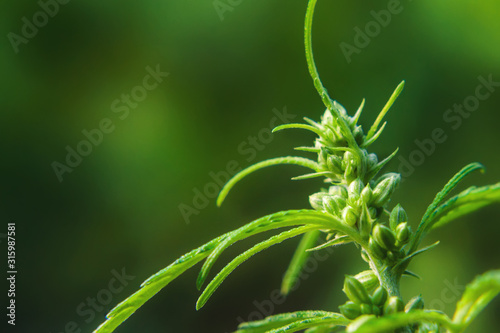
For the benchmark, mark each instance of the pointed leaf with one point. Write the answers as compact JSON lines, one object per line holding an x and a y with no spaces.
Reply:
{"x":373,"y":172}
{"x":280,"y":320}
{"x":274,"y":221}
{"x":388,"y":323}
{"x":215,"y":283}
{"x":464,"y":203}
{"x":332,"y":242}
{"x":356,"y":116}
{"x":333,"y":319}
{"x":154,"y":284}
{"x":274,"y":161}
{"x":386,"y":108}
{"x":313,"y":129}
{"x":476,"y":297}
{"x":314,"y":175}
{"x":299,"y":258}
{"x":425,"y":224}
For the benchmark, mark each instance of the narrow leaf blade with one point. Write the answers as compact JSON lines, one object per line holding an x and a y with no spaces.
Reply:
{"x":299,"y":258}
{"x":476,"y":296}
{"x":304,"y":162}
{"x":425,"y":223}
{"x":215,"y":283}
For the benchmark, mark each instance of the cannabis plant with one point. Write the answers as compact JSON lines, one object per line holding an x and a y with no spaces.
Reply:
{"x":352,"y":208}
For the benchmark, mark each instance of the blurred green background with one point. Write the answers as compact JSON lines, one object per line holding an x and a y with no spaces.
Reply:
{"x":119,"y":208}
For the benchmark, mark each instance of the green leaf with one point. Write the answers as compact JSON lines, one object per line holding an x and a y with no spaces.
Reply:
{"x":274,"y":161}
{"x":299,"y":258}
{"x":280,"y":320}
{"x":215,"y":283}
{"x":464,"y":203}
{"x":374,"y":171}
{"x":274,"y":221}
{"x":322,"y":329}
{"x":340,"y":240}
{"x":392,"y":99}
{"x":313,"y":129}
{"x":154,"y":284}
{"x":476,"y":297}
{"x":356,"y":116}
{"x":426,"y":222}
{"x":313,"y":71}
{"x":333,"y":319}
{"x":315,"y":175}
{"x":408,"y":258}
{"x":372,"y":324}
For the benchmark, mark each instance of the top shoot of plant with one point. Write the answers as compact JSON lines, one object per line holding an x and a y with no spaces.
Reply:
{"x":353,"y":208}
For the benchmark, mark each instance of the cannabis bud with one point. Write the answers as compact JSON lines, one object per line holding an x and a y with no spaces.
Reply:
{"x":385,"y":188}
{"x":355,"y":291}
{"x":384,"y":237}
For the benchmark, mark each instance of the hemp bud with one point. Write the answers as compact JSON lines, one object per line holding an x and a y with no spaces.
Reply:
{"x":398,"y":215}
{"x":379,"y":296}
{"x":350,"y":310}
{"x":334,"y":164}
{"x":384,"y":189}
{"x":393,"y":305}
{"x":349,"y":216}
{"x":366,"y":194}
{"x":384,"y":237}
{"x":376,"y":249}
{"x":338,"y":190}
{"x":354,"y":189}
{"x":316,"y":200}
{"x":403,"y":233}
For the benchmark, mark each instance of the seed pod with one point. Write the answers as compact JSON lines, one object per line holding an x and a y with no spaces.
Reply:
{"x":349,"y":216}
{"x":341,"y":203}
{"x":350,"y":172}
{"x":376,"y":249}
{"x":330,"y":205}
{"x":416,"y":303}
{"x":384,"y":237}
{"x":379,"y":297}
{"x":358,"y":134}
{"x":316,"y":200}
{"x":372,"y":160}
{"x":393,"y":305}
{"x":365,"y":223}
{"x":355,"y":291}
{"x":384,"y":189}
{"x":366,"y":194}
{"x":350,"y":310}
{"x":347,"y":159}
{"x":330,"y":134}
{"x":334,"y":164}
{"x":373,"y":212}
{"x":339,"y":190}
{"x":354,"y":189}
{"x":398,"y":215}
{"x":368,"y":279}
{"x":403,"y":233}
{"x":366,"y":309}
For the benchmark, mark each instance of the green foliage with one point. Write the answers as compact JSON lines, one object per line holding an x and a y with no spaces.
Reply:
{"x":352,"y":209}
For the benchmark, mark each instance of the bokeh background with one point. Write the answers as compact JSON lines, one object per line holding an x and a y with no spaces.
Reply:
{"x":119,"y":208}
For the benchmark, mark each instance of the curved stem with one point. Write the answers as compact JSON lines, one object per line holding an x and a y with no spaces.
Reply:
{"x":300,"y":161}
{"x":313,"y":71}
